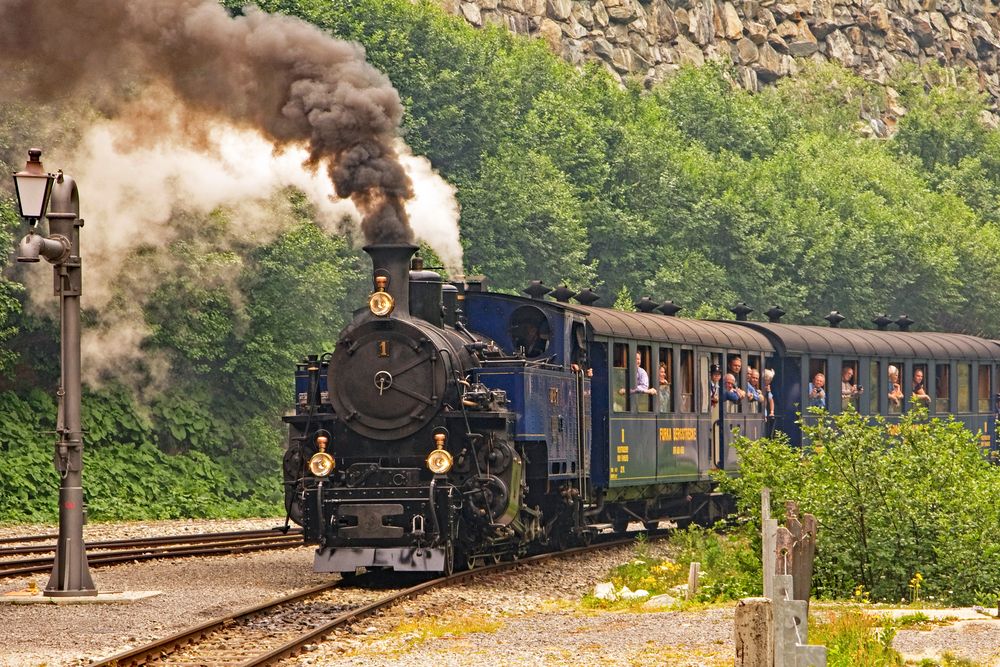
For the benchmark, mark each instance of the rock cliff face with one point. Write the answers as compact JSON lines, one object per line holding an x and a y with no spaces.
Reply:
{"x":765,"y":39}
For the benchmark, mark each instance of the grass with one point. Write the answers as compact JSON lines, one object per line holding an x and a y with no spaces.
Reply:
{"x":432,"y":627}
{"x":854,"y":639}
{"x":730,"y":569}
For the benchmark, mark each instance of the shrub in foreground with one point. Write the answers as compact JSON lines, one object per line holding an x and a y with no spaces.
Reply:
{"x":896,"y":504}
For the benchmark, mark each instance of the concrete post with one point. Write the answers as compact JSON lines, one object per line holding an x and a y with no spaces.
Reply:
{"x":693,"y":573}
{"x":769,"y":531}
{"x":754,"y":633}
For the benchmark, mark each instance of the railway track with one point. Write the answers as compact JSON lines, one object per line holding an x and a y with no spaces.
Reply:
{"x":273,"y":631}
{"x":121,"y":551}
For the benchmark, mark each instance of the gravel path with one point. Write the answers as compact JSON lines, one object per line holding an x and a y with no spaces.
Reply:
{"x":530,"y":616}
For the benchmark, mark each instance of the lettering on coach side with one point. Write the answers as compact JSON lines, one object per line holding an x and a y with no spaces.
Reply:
{"x":668,"y":434}
{"x":685,"y":433}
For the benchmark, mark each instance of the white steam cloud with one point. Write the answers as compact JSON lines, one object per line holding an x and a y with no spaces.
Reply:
{"x":132,"y":193}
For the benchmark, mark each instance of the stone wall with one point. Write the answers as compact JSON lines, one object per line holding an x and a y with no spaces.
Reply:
{"x":765,"y":39}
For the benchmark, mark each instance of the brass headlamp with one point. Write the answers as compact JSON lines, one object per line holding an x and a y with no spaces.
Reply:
{"x":440,"y":460}
{"x":321,"y":464}
{"x":381,"y":302}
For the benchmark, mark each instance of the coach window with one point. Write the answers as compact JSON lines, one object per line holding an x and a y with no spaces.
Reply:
{"x":894,"y":387}
{"x":816,"y":395}
{"x":643,"y":397}
{"x":964,"y":388}
{"x":619,"y":378}
{"x":754,"y":370}
{"x":664,"y":381}
{"x":942,"y":388}
{"x":687,"y":381}
{"x":984,"y":389}
{"x":874,"y":387}
{"x":919,"y":391}
{"x":850,"y":385}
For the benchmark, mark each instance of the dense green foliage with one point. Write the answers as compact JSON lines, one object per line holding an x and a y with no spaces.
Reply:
{"x":694,"y":191}
{"x":127,"y":475}
{"x":906,"y":511}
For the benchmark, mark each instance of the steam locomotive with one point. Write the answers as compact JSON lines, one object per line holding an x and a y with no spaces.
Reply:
{"x":453,"y":426}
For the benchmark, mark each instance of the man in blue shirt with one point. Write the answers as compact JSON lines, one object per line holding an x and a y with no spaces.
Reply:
{"x":817,"y":391}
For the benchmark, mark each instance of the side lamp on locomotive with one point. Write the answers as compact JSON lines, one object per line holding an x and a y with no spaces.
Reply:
{"x":440,"y":460}
{"x":321,"y":464}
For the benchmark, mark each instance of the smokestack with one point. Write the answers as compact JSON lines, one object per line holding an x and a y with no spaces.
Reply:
{"x":392,"y":260}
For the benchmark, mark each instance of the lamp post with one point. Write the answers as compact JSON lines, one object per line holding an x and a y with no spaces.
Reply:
{"x":37,"y":189}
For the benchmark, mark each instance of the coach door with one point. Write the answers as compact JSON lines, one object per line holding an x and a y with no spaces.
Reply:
{"x":710,"y":415}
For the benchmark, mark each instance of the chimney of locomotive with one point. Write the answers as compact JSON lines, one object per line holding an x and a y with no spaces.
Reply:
{"x":392,"y":260}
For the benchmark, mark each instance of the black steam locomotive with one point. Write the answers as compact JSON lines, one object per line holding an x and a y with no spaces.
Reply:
{"x":453,"y":426}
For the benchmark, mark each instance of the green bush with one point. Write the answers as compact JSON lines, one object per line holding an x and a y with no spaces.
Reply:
{"x":130,"y":477}
{"x":895,"y":503}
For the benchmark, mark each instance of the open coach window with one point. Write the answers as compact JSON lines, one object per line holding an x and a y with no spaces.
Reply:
{"x":619,"y":378}
{"x":665,"y":381}
{"x":984,"y":389}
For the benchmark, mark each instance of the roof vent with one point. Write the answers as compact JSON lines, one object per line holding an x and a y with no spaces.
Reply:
{"x":882,"y":321}
{"x":903,"y":322}
{"x":669,"y":308}
{"x":536,"y":290}
{"x":774,"y":314}
{"x":563,"y":294}
{"x":645,"y":304}
{"x":741,"y":310}
{"x":834,"y":318}
{"x":587,"y":297}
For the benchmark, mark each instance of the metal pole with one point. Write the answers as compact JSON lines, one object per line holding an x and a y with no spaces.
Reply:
{"x":71,"y":572}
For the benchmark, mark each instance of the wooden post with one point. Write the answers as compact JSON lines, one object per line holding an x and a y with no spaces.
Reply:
{"x":693,"y":580}
{"x":754,"y":633}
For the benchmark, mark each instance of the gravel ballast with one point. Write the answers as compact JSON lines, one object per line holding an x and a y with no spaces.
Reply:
{"x":529,"y":616}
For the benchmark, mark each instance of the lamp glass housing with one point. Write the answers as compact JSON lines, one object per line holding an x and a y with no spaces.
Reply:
{"x":33,"y":186}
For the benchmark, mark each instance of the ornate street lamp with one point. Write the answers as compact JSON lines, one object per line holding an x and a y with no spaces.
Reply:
{"x":70,"y":573}
{"x":33,"y":186}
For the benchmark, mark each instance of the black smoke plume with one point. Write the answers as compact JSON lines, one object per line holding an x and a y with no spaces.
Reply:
{"x":277,"y":74}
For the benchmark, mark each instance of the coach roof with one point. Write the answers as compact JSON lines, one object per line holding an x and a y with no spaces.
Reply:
{"x":662,"y":328}
{"x":815,"y":340}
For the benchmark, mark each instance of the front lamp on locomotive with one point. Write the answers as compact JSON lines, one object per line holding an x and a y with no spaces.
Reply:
{"x":387,"y":472}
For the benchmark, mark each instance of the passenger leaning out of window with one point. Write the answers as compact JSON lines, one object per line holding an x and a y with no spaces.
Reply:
{"x":664,"y":390}
{"x":848,"y":389}
{"x":817,"y":391}
{"x":895,"y":392}
{"x":919,"y":388}
{"x":753,"y":387}
{"x":732,"y":392}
